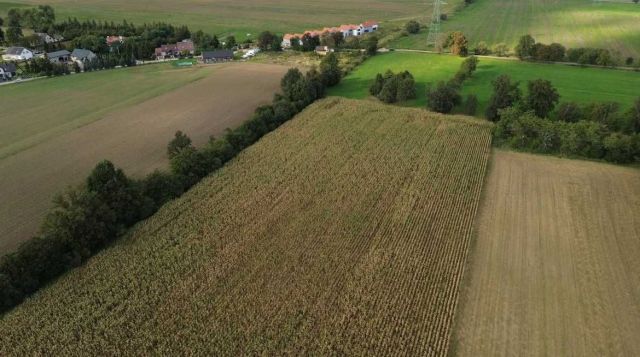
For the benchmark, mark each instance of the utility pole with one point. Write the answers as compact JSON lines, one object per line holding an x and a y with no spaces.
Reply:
{"x":434,"y":28}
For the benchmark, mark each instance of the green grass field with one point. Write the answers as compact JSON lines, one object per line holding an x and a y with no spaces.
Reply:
{"x":574,"y":83}
{"x":573,"y":23}
{"x":236,"y":16}
{"x":35,"y":111}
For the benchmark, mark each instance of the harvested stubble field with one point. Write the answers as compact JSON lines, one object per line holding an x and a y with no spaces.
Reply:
{"x":344,"y":231}
{"x":554,"y":270}
{"x":127,"y":116}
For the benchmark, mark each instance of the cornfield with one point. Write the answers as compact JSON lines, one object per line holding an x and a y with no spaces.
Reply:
{"x":343,"y":232}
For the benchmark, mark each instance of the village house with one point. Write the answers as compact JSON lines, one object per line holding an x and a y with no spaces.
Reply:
{"x":62,"y":56}
{"x":346,"y":30}
{"x":7,"y":71}
{"x":48,"y":39}
{"x":175,"y":50}
{"x":217,"y":56}
{"x":82,"y":56}
{"x":111,"y":40}
{"x":17,"y":54}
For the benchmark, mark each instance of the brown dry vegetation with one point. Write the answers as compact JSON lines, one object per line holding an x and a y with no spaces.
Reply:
{"x":134,"y":138}
{"x":343,"y":232}
{"x":555,"y":269}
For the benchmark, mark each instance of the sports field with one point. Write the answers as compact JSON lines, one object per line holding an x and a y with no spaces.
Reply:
{"x":554,"y":268}
{"x":345,"y":231}
{"x":573,"y":23}
{"x":582,"y":85}
{"x":55,"y":130}
{"x":237,"y":16}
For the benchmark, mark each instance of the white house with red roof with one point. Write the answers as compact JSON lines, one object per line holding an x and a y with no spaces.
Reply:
{"x":346,"y":30}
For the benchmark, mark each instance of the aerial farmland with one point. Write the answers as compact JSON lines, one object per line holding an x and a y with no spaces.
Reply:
{"x":368,"y":178}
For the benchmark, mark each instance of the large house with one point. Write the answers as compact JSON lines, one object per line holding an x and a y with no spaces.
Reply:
{"x":62,"y":56}
{"x":82,"y":56}
{"x":7,"y":71}
{"x":217,"y":56}
{"x":175,"y":50}
{"x":17,"y":54}
{"x":346,"y":30}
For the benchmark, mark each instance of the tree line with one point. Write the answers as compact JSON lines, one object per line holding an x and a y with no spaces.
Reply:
{"x":528,"y":49}
{"x":88,"y":218}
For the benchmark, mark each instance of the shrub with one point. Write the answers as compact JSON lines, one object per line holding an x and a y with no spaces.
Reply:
{"x":412,"y":26}
{"x":392,"y":88}
{"x":569,"y":112}
{"x":481,"y":49}
{"x":471,"y":105}
{"x":443,"y":98}
{"x":179,"y":142}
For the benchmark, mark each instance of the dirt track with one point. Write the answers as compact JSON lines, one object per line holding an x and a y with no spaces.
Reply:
{"x":555,"y":267}
{"x":134,"y":139}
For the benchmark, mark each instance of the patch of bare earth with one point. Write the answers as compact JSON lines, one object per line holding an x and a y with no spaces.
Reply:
{"x":555,"y":269}
{"x":135,"y":139}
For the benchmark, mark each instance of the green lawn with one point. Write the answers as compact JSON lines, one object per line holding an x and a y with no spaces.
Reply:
{"x":574,"y":84}
{"x":37,"y":110}
{"x":573,"y":23}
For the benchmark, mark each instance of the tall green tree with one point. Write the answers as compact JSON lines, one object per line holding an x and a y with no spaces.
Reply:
{"x":179,"y":142}
{"x":444,"y":97}
{"x":524,"y":48}
{"x":14,"y":28}
{"x":542,"y":97}
{"x":330,"y":70}
{"x":505,"y":94}
{"x":231,"y":42}
{"x":634,"y":116}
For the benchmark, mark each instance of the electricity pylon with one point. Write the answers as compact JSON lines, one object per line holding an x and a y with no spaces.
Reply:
{"x":434,"y":28}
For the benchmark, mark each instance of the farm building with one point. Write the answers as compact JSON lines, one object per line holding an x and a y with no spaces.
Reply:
{"x":17,"y":54}
{"x":217,"y":56}
{"x":175,"y":50}
{"x":7,"y":71}
{"x":346,"y":30}
{"x":62,"y":56}
{"x":323,"y":50}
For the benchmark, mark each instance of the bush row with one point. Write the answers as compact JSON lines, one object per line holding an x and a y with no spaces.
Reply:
{"x":589,"y":139}
{"x":87,"y":218}
{"x":446,"y":95}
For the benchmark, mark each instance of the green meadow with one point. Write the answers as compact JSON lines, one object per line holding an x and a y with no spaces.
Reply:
{"x":574,"y":23}
{"x":577,"y":84}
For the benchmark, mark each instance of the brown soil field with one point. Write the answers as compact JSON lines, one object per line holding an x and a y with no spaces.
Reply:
{"x":554,"y":270}
{"x":343,"y":232}
{"x":134,"y":138}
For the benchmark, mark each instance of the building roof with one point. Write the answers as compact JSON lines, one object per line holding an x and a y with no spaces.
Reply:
{"x":217,"y":54}
{"x":14,"y":51}
{"x":370,"y":23}
{"x":57,"y":54}
{"x":81,"y":53}
{"x":112,"y":39}
{"x":8,"y":67}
